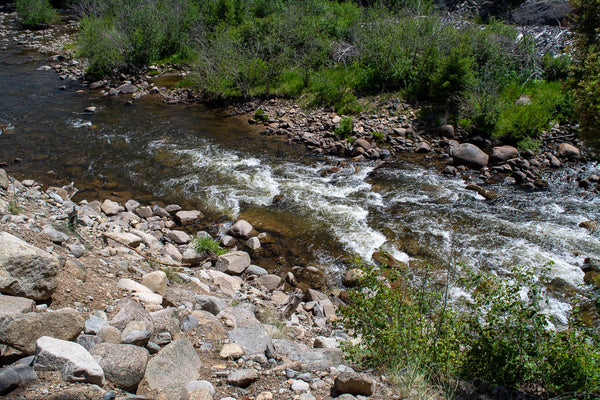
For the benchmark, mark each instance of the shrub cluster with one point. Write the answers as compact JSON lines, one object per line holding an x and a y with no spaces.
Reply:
{"x":500,"y":337}
{"x":35,"y":13}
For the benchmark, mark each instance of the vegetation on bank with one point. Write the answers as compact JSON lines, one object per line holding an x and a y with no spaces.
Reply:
{"x":500,"y":335}
{"x":331,"y":53}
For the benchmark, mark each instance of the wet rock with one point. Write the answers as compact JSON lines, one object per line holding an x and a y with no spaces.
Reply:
{"x":501,"y":154}
{"x":188,"y":217}
{"x":241,"y":228}
{"x":486,"y":193}
{"x":469,"y":155}
{"x":72,"y":360}
{"x":11,"y":306}
{"x":354,"y":383}
{"x":110,"y":207}
{"x":242,"y":378}
{"x":156,"y":281}
{"x":167,"y":373}
{"x":566,"y":150}
{"x":123,"y":364}
{"x":25,"y":270}
{"x":22,"y":331}
{"x":233,"y":263}
{"x":253,"y":243}
{"x":423,"y":147}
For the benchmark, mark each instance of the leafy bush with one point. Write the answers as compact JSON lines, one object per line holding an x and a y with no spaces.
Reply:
{"x":501,"y":337}
{"x":35,"y":13}
{"x":103,"y":44}
{"x":345,"y":128}
{"x":208,"y":245}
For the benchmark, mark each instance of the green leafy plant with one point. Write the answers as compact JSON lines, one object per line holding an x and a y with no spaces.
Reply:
{"x":379,"y":136}
{"x":172,"y":275}
{"x":208,"y":245}
{"x":345,"y":128}
{"x":36,"y":13}
{"x":14,"y":208}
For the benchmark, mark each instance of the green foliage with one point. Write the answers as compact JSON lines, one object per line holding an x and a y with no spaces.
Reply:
{"x":585,"y":73}
{"x":345,"y":128}
{"x":35,"y":13}
{"x":208,"y":245}
{"x":172,"y":275}
{"x":14,"y":208}
{"x":501,"y":337}
{"x":379,"y":136}
{"x":103,"y":44}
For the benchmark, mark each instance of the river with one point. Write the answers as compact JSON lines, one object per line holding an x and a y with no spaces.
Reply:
{"x":331,"y":209}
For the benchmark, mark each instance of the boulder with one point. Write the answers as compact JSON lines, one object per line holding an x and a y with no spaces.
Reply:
{"x":179,"y":237}
{"x":227,"y":283}
{"x":3,"y":179}
{"x":54,"y":235}
{"x":25,"y":270}
{"x":270,"y":282}
{"x":312,"y":359}
{"x":241,"y":228}
{"x":470,"y":155}
{"x":252,"y":340}
{"x":188,"y":217}
{"x":110,"y":207}
{"x":72,"y":360}
{"x":233,"y":263}
{"x":123,"y":364}
{"x":22,"y":331}
{"x":165,"y":321}
{"x":126,"y":238}
{"x":501,"y":154}
{"x":156,"y":281}
{"x":137,"y":333}
{"x":548,"y":12}
{"x":354,"y":383}
{"x":129,"y":310}
{"x":232,"y":351}
{"x":168,"y":372}
{"x":253,"y":243}
{"x":242,"y":378}
{"x":353,"y":277}
{"x":11,"y":306}
{"x":566,"y":150}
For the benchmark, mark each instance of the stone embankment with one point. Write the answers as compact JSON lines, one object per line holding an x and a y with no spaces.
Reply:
{"x":108,"y":300}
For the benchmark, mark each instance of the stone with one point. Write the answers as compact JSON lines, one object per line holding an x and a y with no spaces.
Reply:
{"x":241,"y":228}
{"x":423,"y":147}
{"x":127,"y":238}
{"x":554,"y":161}
{"x":71,"y":359}
{"x":93,"y":324}
{"x":231,"y":351}
{"x":130,"y":310}
{"x":233,"y":263}
{"x":109,"y":334}
{"x":227,"y":283}
{"x":548,"y":12}
{"x":126,"y":88}
{"x":87,"y":341}
{"x":172,"y":251}
{"x":3,"y":179}
{"x":193,"y":257}
{"x":279,"y":298}
{"x":353,"y":277}
{"x":212,"y":304}
{"x":25,"y":270}
{"x":315,"y":295}
{"x":470,"y":155}
{"x":9,"y":380}
{"x":270,"y":282}
{"x":165,"y":321}
{"x":123,"y":364}
{"x":354,"y":383}
{"x":11,"y":306}
{"x":179,"y":237}
{"x":242,"y":378}
{"x":23,"y":330}
{"x":189,"y":323}
{"x":265,"y":396}
{"x":132,"y":286}
{"x":362,"y":143}
{"x":131,"y":205}
{"x":54,"y":235}
{"x":566,"y":150}
{"x":299,"y":386}
{"x":501,"y":154}
{"x":192,"y":386}
{"x":110,"y":207}
{"x":253,"y":243}
{"x":312,"y":359}
{"x":252,"y":339}
{"x":255,"y":270}
{"x":156,"y":281}
{"x":188,"y":217}
{"x":76,"y":249}
{"x":137,"y":332}
{"x":228,"y":241}
{"x":446,"y":131}
{"x":144,"y":212}
{"x":168,"y":372}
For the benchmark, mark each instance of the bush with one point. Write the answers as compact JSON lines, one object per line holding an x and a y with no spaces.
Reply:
{"x":207,"y":244}
{"x":103,"y":44}
{"x":35,"y":13}
{"x":501,"y":337}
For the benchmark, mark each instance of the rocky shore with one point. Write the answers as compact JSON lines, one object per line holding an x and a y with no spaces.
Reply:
{"x":107,"y":300}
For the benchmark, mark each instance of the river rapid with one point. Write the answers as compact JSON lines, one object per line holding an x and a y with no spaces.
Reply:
{"x":329,"y":209}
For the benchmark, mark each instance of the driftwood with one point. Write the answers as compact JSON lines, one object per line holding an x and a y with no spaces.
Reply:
{"x":106,"y":237}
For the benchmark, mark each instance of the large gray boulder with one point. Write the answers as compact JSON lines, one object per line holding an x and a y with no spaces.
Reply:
{"x":71,"y":359}
{"x":548,"y":12}
{"x":25,"y":270}
{"x":233,"y":263}
{"x":130,"y":310}
{"x":470,"y":155}
{"x":123,"y":364}
{"x":312,"y":359}
{"x":241,"y":228}
{"x":253,"y":340}
{"x":502,"y":154}
{"x":168,"y":372}
{"x":22,"y":331}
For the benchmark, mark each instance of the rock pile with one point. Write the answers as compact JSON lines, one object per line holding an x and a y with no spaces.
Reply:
{"x":93,"y":314}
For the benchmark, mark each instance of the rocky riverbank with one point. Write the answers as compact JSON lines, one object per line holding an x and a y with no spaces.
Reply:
{"x":104,"y":300}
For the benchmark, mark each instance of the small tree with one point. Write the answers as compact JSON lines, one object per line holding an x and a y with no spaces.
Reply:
{"x":35,"y":13}
{"x":585,"y":74}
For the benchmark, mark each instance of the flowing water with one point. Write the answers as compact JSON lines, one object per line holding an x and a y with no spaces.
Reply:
{"x":329,"y":209}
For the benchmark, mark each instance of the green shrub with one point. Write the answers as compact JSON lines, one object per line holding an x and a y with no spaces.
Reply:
{"x":208,"y":245}
{"x":379,"y":136}
{"x":345,"y":128}
{"x":103,"y":44}
{"x":35,"y":13}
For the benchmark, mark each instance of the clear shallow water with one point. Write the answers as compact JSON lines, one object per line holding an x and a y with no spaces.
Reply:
{"x":329,"y":210}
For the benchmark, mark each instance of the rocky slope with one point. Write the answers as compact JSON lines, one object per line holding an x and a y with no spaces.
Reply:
{"x":122,"y":305}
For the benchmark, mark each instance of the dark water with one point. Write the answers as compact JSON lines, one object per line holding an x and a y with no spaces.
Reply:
{"x":199,"y":158}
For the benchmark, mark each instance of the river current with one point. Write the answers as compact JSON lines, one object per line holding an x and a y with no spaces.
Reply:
{"x":330,"y":209}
